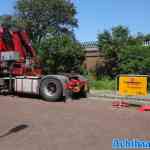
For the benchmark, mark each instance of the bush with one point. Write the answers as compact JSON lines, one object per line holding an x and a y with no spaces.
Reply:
{"x":104,"y":83}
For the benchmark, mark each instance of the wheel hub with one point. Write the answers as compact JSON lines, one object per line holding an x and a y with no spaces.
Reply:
{"x":51,"y":89}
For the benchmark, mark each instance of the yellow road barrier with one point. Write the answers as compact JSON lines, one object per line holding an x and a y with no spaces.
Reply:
{"x":133,"y":85}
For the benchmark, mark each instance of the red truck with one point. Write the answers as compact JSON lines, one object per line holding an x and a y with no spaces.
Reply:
{"x":21,"y":72}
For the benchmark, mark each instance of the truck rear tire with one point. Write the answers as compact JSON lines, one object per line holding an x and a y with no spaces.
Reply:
{"x":51,"y":89}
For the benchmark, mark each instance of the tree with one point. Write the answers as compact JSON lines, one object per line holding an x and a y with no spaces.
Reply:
{"x":7,"y":21}
{"x":147,"y":37}
{"x":123,"y":53}
{"x":61,"y":54}
{"x":120,"y":34}
{"x":110,"y":44}
{"x":46,"y":17}
{"x":51,"y":24}
{"x":135,"y":60}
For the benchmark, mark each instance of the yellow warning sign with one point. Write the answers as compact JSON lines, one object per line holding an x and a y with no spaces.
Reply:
{"x":133,"y":85}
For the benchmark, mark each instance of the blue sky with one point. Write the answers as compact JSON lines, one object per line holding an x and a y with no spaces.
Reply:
{"x":96,"y":15}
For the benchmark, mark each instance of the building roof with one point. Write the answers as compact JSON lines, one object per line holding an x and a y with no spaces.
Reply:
{"x":90,"y":44}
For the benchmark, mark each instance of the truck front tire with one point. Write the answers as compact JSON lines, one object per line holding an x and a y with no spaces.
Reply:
{"x":51,"y":89}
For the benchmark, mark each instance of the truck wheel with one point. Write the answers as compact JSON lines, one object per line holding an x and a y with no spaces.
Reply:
{"x":51,"y":89}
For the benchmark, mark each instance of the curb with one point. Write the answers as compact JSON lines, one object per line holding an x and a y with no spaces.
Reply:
{"x":131,"y":100}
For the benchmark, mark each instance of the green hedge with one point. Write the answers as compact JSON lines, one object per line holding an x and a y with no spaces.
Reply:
{"x":103,"y":84}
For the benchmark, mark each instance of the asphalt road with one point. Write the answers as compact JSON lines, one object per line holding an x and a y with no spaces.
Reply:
{"x":31,"y":124}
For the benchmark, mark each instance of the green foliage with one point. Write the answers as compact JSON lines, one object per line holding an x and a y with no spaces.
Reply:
{"x":135,"y":60}
{"x":110,"y":44}
{"x":103,"y":84}
{"x":8,"y":21}
{"x":46,"y":17}
{"x":61,"y":54}
{"x":123,"y":53}
{"x":50,"y":24}
{"x":147,"y":37}
{"x":120,"y":34}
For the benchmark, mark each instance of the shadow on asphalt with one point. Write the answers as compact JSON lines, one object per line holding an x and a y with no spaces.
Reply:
{"x":14,"y":130}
